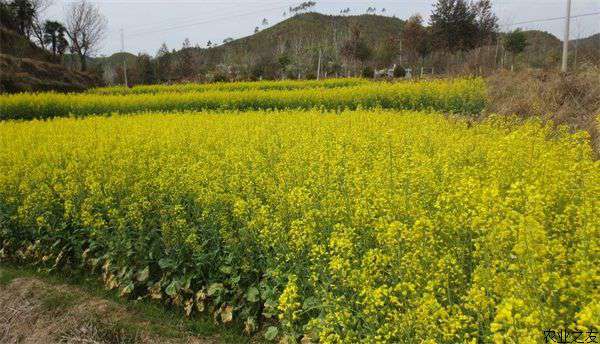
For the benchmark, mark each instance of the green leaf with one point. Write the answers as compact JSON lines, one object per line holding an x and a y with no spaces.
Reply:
{"x":187,"y":282}
{"x":172,"y":288}
{"x":252,"y":294}
{"x":271,"y":333}
{"x":226,"y":269}
{"x":214,"y":288}
{"x":143,"y":274}
{"x":166,"y":263}
{"x":310,"y":303}
{"x":235,"y":279}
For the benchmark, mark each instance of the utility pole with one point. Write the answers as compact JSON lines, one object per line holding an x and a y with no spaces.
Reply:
{"x":124,"y":59}
{"x":566,"y":38}
{"x":319,"y":66}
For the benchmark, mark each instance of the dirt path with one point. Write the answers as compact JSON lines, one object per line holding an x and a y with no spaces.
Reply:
{"x":35,"y":311}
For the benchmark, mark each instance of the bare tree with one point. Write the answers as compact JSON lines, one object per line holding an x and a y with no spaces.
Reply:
{"x":86,"y":27}
{"x":37,"y":23}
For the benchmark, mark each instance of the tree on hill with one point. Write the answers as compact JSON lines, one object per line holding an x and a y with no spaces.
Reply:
{"x":55,"y":37}
{"x":187,"y":64}
{"x":460,"y":26}
{"x":163,"y":63}
{"x":305,"y":6}
{"x":487,"y":22}
{"x":24,"y":17}
{"x":147,"y":73}
{"x":388,"y":51}
{"x":37,"y":24}
{"x":416,"y":39}
{"x":515,"y":43}
{"x":86,"y":27}
{"x":17,"y":15}
{"x":355,"y":50}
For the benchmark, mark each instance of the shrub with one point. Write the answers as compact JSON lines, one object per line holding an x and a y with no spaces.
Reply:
{"x":368,"y":72}
{"x":399,"y":72}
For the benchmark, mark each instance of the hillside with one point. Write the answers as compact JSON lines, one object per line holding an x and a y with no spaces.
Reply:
{"x":543,"y":49}
{"x":31,"y":75}
{"x":115,"y":59}
{"x":26,"y":67}
{"x":588,"y":48}
{"x":300,"y":38}
{"x":20,"y":47}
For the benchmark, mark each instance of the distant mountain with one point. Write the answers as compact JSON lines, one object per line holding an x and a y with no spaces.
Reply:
{"x":543,"y":48}
{"x":114,"y":59}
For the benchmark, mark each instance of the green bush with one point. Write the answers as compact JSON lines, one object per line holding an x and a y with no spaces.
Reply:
{"x":368,"y":72}
{"x":399,"y":71}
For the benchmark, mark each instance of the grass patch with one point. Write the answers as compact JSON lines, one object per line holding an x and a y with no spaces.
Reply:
{"x":6,"y":277}
{"x":55,"y":300}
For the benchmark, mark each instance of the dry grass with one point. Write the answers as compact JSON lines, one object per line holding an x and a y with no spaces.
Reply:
{"x":572,"y":99}
{"x":34,"y":311}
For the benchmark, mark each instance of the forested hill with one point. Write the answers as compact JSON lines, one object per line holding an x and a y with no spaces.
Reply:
{"x":348,"y":45}
{"x":294,"y":43}
{"x":309,"y":32}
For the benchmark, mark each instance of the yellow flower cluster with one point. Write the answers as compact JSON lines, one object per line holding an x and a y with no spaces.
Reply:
{"x":457,"y":96}
{"x":359,"y":227}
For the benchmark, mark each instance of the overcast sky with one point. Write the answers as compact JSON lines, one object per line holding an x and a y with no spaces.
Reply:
{"x":148,"y":23}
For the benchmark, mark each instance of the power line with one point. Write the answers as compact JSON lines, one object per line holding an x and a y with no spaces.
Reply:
{"x":551,"y":19}
{"x":180,"y":26}
{"x":181,"y":21}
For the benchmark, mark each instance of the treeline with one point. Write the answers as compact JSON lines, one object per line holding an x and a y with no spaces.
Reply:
{"x":460,"y":37}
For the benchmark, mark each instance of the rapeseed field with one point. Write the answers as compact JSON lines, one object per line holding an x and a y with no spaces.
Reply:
{"x":367,"y":226}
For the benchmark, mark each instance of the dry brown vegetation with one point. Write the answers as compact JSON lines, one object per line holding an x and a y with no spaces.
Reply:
{"x":35,"y":311}
{"x":566,"y":99}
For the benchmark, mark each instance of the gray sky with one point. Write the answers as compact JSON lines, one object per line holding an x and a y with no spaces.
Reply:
{"x":148,"y":23}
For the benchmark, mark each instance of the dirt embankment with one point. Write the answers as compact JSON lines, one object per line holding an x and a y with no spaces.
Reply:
{"x":25,"y":67}
{"x":34,"y":311}
{"x":29,"y":75}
